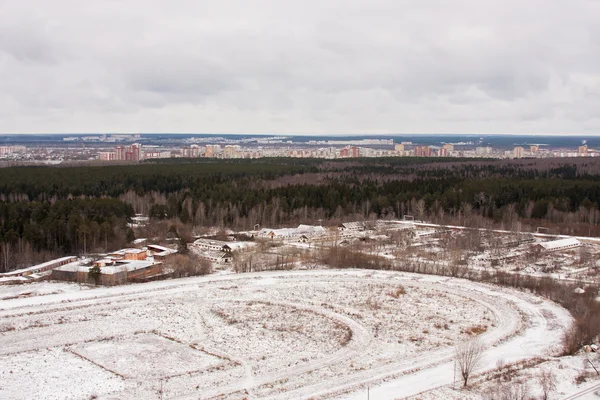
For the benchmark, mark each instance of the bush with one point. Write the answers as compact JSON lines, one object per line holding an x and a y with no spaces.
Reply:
{"x":399,"y":291}
{"x":186,"y":265}
{"x":94,"y":274}
{"x":575,"y":338}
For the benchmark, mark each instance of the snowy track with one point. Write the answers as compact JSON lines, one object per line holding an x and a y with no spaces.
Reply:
{"x":592,"y":392}
{"x":275,"y":335}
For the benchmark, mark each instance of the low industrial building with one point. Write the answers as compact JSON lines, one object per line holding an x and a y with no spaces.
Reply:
{"x":292,"y":234}
{"x":33,"y":273}
{"x":204,"y":244}
{"x":218,"y":257}
{"x":160,"y":252}
{"x":117,"y":267}
{"x":352,"y":226}
{"x":112,"y":272}
{"x":561,"y":244}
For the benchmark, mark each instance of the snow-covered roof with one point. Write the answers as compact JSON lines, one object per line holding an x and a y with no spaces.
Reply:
{"x":427,"y":232}
{"x":133,"y":251}
{"x":128,"y":265}
{"x":156,"y":247}
{"x":211,"y":242}
{"x":38,"y":266}
{"x":353,"y":225}
{"x":239,"y":245}
{"x":120,"y":266}
{"x":561,"y":244}
{"x":79,"y":265}
{"x":309,"y":230}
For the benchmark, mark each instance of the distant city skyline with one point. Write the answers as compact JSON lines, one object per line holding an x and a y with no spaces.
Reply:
{"x":135,"y":148}
{"x":316,"y":134}
{"x":303,"y":68}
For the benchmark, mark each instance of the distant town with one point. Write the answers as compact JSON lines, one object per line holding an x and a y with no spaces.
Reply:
{"x":136,"y":147}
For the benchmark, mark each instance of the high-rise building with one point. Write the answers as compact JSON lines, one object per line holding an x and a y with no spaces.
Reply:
{"x":212,"y":150}
{"x":449,"y":147}
{"x":518,"y":152}
{"x":422,"y":151}
{"x":192,"y":151}
{"x":108,"y":155}
{"x":582,"y":149}
{"x":399,"y":147}
{"x":120,"y":153}
{"x":136,"y":151}
{"x":11,"y":149}
{"x":231,"y":151}
{"x":533,"y":149}
{"x":129,"y":153}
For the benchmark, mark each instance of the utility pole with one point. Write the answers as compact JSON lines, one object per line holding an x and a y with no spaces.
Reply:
{"x":454,"y":378}
{"x":368,"y":392}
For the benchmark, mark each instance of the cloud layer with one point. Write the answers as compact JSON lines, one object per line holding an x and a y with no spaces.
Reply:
{"x":328,"y":66}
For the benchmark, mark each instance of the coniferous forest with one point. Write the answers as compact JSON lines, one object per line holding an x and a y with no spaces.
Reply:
{"x":52,"y":211}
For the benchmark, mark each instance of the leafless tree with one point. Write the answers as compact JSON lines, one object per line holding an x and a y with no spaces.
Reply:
{"x":186,"y":265}
{"x":468,"y":356}
{"x":575,"y":337}
{"x":547,"y":381}
{"x":513,"y":390}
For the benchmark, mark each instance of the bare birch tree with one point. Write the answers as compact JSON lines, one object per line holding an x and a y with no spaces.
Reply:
{"x":468,"y":356}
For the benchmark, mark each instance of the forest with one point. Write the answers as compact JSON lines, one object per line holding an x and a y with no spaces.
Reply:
{"x":52,"y":211}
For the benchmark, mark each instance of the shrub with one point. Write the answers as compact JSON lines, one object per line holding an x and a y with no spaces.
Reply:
{"x":575,"y":338}
{"x":398,"y":291}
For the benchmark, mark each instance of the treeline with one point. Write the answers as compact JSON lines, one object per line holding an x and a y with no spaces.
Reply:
{"x":33,"y":232}
{"x":48,"y":183}
{"x":274,"y":192}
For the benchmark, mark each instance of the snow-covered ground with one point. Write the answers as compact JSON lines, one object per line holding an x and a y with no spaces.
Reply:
{"x":277,"y":335}
{"x":43,"y":288}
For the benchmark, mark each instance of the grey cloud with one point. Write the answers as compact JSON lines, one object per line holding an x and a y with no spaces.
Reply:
{"x":28,"y":42}
{"x":194,"y":78}
{"x":311,"y":66}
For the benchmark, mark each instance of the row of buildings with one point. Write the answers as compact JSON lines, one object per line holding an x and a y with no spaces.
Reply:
{"x":6,"y":150}
{"x":115,"y":268}
{"x":132,"y":152}
{"x":135,"y":152}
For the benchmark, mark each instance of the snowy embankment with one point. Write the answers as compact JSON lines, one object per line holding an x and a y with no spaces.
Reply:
{"x":278,"y":335}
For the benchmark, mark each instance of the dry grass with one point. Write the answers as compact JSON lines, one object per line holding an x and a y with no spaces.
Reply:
{"x":397,"y":292}
{"x":475,"y":329}
{"x":6,"y":327}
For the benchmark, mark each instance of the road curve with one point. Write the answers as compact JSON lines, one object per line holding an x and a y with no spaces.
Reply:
{"x":510,"y":341}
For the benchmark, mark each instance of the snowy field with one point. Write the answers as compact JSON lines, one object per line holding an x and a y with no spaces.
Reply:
{"x":275,"y":335}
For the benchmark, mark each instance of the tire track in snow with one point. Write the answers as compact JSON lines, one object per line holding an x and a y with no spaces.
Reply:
{"x":430,"y":375}
{"x":361,"y":339}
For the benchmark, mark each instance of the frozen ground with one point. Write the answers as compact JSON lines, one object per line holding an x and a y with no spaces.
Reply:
{"x":276,"y":335}
{"x":8,"y":292}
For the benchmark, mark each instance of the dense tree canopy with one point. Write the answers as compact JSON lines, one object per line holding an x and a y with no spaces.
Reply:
{"x":73,"y":209}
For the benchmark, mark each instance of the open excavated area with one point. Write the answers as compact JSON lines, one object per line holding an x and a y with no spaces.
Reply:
{"x":278,"y":335}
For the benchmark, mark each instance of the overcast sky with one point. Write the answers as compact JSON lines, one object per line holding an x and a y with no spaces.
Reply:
{"x":310,"y":66}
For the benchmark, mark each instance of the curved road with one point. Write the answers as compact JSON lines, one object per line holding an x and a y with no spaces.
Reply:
{"x":511,"y":340}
